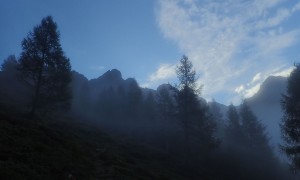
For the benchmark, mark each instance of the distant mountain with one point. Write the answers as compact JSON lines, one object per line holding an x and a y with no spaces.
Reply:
{"x":266,"y":105}
{"x":270,"y":91}
{"x":223,"y":108}
{"x":112,"y":78}
{"x":110,"y":87}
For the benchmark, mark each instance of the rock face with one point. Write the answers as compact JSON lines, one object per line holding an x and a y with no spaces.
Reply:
{"x":86,"y":93}
{"x":266,"y":105}
{"x":270,"y":91}
{"x":110,"y":79}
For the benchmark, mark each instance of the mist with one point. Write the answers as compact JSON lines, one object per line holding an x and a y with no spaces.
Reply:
{"x":58,"y":124}
{"x":129,"y":113}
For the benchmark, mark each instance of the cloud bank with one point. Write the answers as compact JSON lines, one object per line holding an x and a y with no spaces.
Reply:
{"x":234,"y":45}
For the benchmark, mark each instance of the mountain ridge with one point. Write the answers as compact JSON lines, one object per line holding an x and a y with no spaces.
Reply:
{"x":265,"y":103}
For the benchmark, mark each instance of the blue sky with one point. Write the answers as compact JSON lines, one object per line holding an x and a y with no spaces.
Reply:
{"x":234,"y":45}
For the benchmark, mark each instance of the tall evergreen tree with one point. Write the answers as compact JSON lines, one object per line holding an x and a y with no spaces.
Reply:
{"x":45,"y":67}
{"x":290,"y":126}
{"x":233,"y":131}
{"x":218,"y":118}
{"x":233,"y":117}
{"x":193,"y":114}
{"x":253,"y":131}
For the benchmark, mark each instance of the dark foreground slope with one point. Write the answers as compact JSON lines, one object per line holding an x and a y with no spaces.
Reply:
{"x":59,"y":149}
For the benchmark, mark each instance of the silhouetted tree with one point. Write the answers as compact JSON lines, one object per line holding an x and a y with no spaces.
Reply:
{"x":253,"y":130}
{"x":45,"y":67}
{"x":194,"y":115}
{"x":233,"y":118}
{"x":218,"y":118}
{"x":233,"y":131}
{"x":290,"y":126}
{"x":13,"y":91}
{"x":10,"y":64}
{"x":166,"y":110}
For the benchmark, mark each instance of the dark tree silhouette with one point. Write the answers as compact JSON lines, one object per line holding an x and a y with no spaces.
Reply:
{"x":166,"y":110}
{"x":13,"y":91}
{"x":45,"y":67}
{"x":216,"y":112}
{"x":253,"y":130}
{"x":10,"y":64}
{"x":233,"y":130}
{"x":191,"y":112}
{"x":233,"y":118}
{"x":290,"y":126}
{"x":218,"y":118}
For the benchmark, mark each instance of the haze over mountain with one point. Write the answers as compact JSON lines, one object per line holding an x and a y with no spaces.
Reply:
{"x":265,"y":103}
{"x":124,"y":110}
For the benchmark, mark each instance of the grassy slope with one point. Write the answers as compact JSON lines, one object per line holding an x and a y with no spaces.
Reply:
{"x":54,"y":149}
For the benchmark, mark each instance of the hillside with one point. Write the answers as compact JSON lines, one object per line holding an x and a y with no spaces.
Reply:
{"x":114,"y":131}
{"x":65,"y":147}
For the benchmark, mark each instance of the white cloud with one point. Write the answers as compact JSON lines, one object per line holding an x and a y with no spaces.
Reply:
{"x":228,"y":41}
{"x":164,"y":72}
{"x":246,"y":91}
{"x":256,"y":78}
{"x":252,"y":87}
{"x":239,"y":89}
{"x":284,"y":72}
{"x":251,"y":91}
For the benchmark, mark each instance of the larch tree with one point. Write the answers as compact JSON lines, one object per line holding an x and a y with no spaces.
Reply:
{"x":198,"y":125}
{"x":290,"y":125}
{"x":45,"y":68}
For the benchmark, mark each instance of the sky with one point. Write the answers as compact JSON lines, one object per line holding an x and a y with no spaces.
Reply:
{"x":234,"y":45}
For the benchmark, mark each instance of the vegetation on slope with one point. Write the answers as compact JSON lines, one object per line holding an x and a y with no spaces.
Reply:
{"x":62,"y":148}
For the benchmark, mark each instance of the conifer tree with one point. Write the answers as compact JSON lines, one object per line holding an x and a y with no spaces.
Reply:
{"x":233,"y":129}
{"x":254,"y":133}
{"x":10,"y":64}
{"x":233,"y":117}
{"x":193,"y":114}
{"x":290,"y":126}
{"x":45,"y":68}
